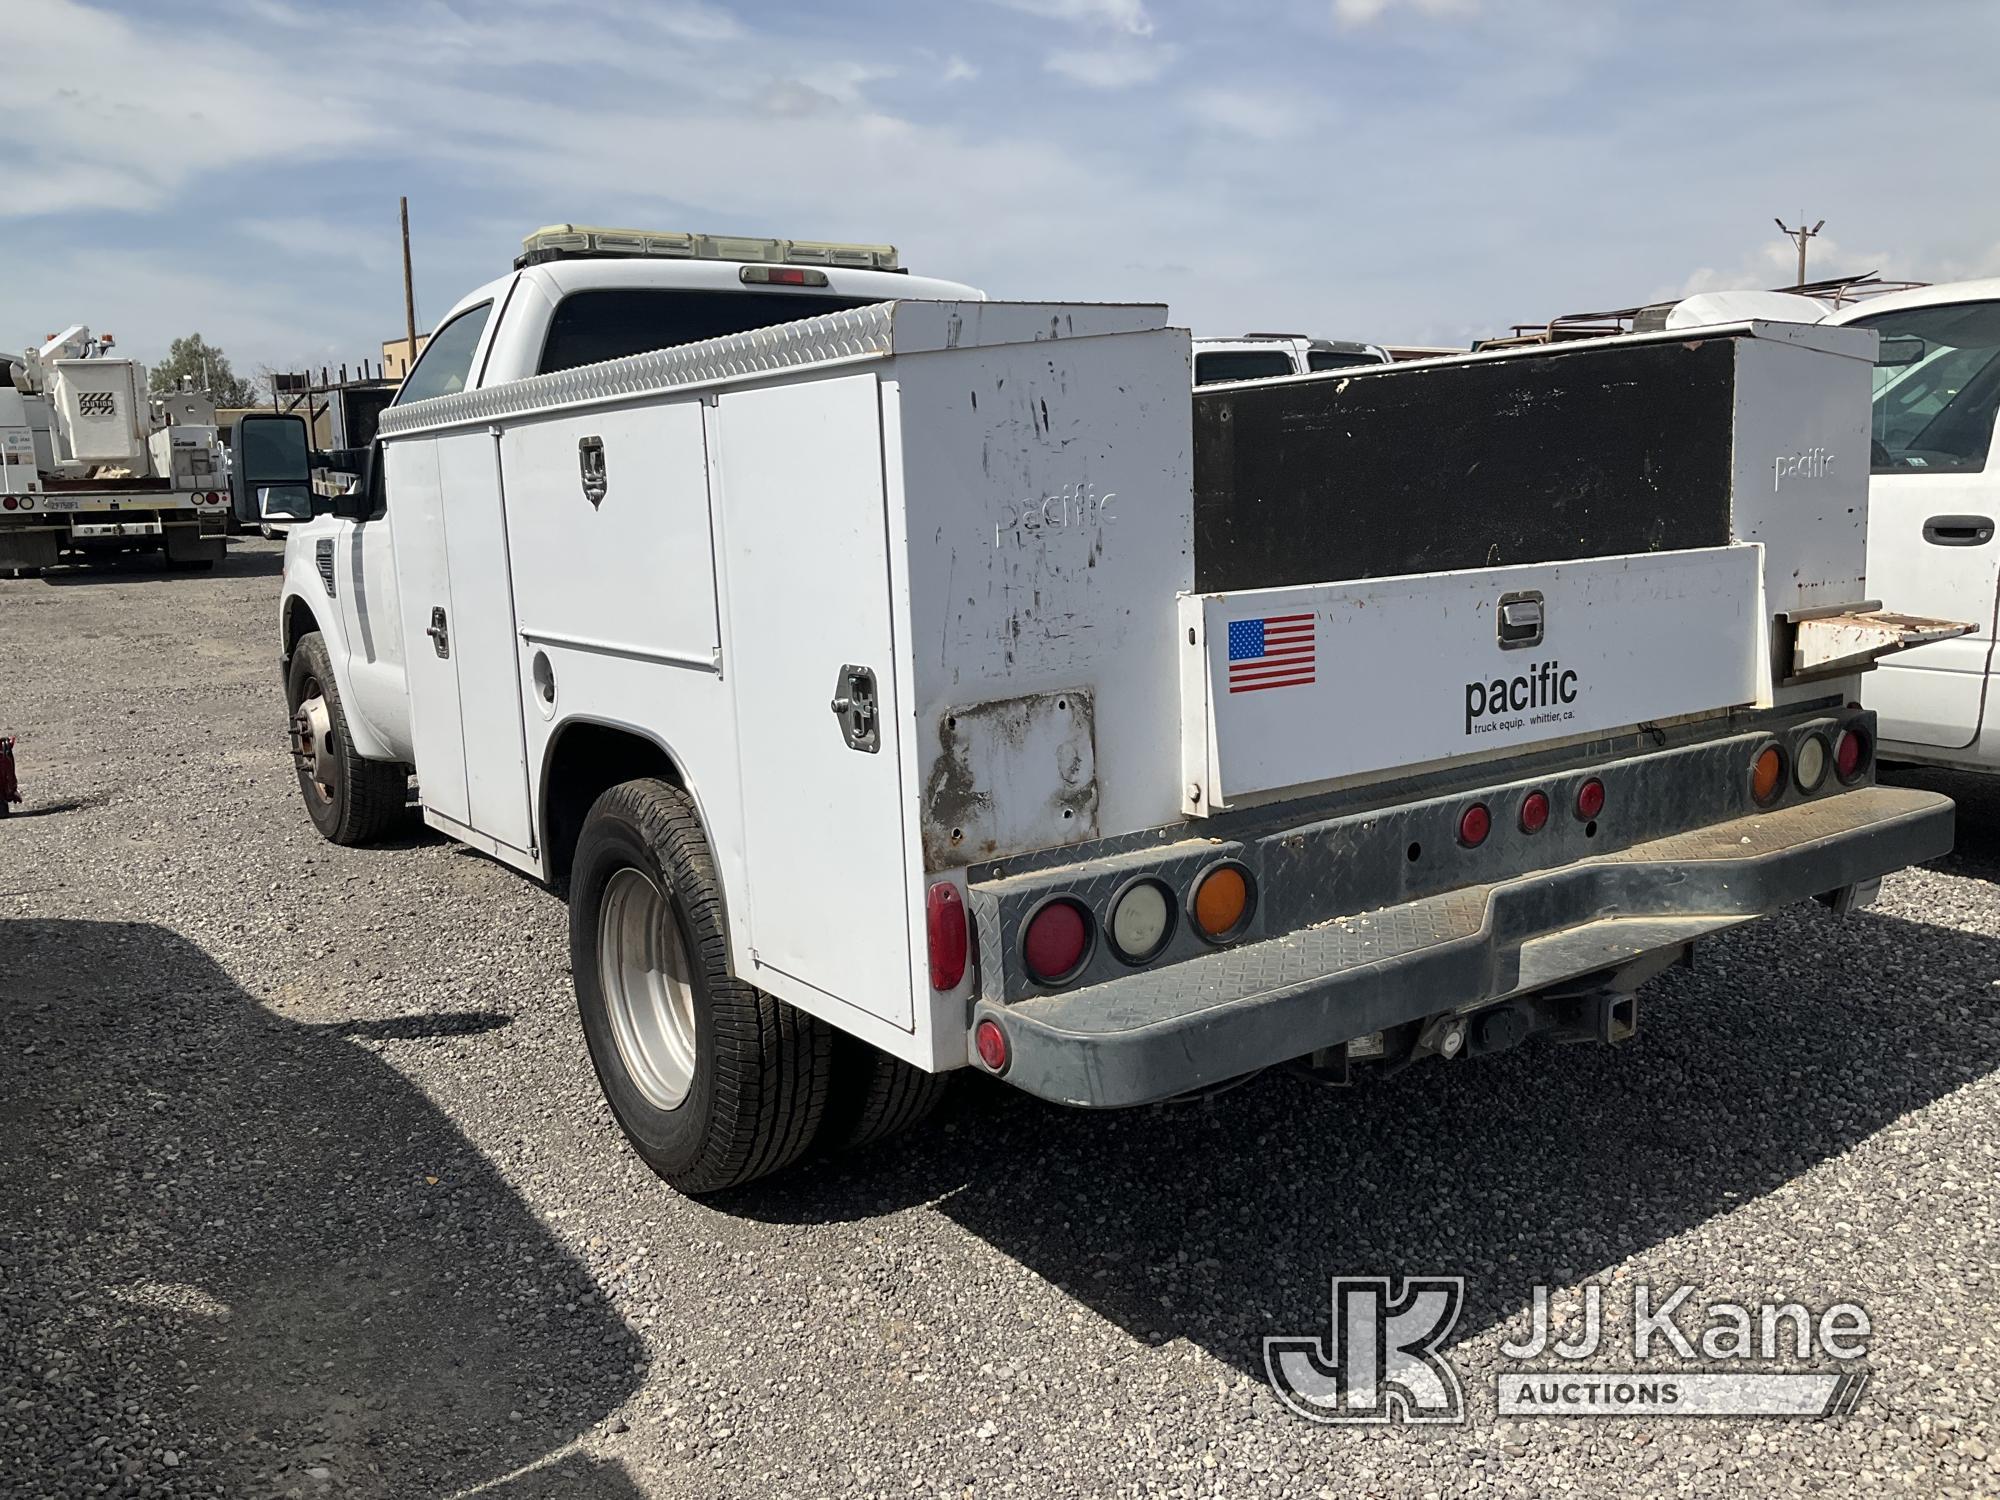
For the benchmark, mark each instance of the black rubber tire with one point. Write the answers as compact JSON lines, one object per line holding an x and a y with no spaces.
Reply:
{"x":875,"y":1096}
{"x":761,"y":1067}
{"x":369,"y":798}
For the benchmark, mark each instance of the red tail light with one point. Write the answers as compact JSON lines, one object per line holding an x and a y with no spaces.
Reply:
{"x":945,"y":934}
{"x":1590,"y":799}
{"x":9,"y":501}
{"x":1850,"y":754}
{"x":1534,"y":812}
{"x":1057,"y":939}
{"x":1474,"y":824}
{"x":992,"y":1044}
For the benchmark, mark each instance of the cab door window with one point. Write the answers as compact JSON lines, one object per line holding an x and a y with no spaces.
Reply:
{"x":446,"y":363}
{"x":1937,"y":388}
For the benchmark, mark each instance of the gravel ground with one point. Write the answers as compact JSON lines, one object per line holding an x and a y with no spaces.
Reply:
{"x":305,"y":1187}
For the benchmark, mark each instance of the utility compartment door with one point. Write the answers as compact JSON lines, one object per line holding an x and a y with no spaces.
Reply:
{"x":423,"y":589}
{"x":802,"y":527}
{"x":1286,"y":688}
{"x":482,"y":638}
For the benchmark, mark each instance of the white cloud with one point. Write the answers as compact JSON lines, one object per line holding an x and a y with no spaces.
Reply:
{"x":1120,"y":67}
{"x":1256,"y":112}
{"x":78,"y":132}
{"x":958,"y":70}
{"x":1128,"y":16}
{"x":1366,"y":12}
{"x":1775,"y":264}
{"x":309,"y":237}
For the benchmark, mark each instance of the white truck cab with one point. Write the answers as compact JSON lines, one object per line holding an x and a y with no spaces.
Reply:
{"x":578,"y":296}
{"x":927,"y":682}
{"x":1934,"y":500}
{"x":1262,"y":356}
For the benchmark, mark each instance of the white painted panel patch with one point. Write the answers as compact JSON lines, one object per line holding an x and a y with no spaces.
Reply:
{"x":1344,"y":679}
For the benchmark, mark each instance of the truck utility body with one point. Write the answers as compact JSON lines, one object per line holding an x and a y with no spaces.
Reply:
{"x":1038,"y":718}
{"x":88,"y":461}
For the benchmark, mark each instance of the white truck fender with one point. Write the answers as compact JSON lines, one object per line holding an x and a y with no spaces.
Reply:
{"x":303,"y":590}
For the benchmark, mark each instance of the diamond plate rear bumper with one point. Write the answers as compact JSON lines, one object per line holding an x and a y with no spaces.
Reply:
{"x":1151,"y":1035}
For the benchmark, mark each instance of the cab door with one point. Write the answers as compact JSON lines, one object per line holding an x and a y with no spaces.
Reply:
{"x":1934,"y":514}
{"x":447,"y":515}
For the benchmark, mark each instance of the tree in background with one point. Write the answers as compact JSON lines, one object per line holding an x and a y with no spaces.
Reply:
{"x":194,"y":360}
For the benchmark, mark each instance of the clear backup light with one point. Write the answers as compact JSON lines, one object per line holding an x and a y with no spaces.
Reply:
{"x":1809,"y":766}
{"x":1142,"y":919}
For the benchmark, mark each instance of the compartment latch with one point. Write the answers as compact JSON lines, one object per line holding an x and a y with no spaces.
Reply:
{"x":1520,"y":620}
{"x":858,"y":709}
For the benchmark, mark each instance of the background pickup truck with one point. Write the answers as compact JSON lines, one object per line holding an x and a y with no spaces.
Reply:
{"x":928,"y":683}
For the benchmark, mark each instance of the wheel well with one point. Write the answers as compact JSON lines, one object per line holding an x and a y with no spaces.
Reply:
{"x":299,"y":623}
{"x":585,"y":762}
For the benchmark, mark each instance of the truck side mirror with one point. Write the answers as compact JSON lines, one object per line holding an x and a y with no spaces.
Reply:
{"x":363,"y":500}
{"x":1900,"y":350}
{"x":268,"y":452}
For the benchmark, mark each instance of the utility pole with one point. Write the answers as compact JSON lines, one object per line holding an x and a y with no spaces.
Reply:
{"x":410,"y":291}
{"x":1801,"y":234}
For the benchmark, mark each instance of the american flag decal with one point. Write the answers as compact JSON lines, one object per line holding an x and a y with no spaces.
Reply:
{"x":1279,"y":651}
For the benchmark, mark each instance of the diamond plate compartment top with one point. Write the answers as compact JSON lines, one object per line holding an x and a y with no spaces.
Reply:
{"x":856,"y":333}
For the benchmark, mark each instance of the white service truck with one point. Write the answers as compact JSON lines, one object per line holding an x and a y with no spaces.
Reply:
{"x":89,"y":462}
{"x":897,"y":685}
{"x":1259,"y":356}
{"x":1934,"y":511}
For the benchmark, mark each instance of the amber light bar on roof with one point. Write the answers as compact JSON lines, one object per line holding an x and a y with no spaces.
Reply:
{"x":555,"y":241}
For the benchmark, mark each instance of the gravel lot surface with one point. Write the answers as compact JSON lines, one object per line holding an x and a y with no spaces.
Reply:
{"x":306,"y":1189}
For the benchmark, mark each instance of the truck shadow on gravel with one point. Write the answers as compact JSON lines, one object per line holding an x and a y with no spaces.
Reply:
{"x":253,"y":1244}
{"x":1221,"y":1222}
{"x":1976,"y":848}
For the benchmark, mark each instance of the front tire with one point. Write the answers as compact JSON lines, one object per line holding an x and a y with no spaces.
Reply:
{"x":714,"y":1082}
{"x":351,"y":800}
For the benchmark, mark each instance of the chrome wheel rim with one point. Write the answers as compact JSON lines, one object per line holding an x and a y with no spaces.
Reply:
{"x":642,"y":967}
{"x":312,"y":740}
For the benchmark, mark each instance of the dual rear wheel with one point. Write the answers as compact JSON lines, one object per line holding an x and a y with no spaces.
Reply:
{"x":713,"y":1081}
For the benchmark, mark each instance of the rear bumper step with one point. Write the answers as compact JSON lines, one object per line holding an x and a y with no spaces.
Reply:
{"x":1150,"y":1036}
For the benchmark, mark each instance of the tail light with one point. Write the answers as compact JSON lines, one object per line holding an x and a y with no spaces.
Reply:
{"x":1767,"y":775}
{"x":1474,"y":824}
{"x":1809,"y":765}
{"x":1590,"y":799}
{"x":1056,"y":941}
{"x":945,"y":935}
{"x":1534,"y":812}
{"x":1850,"y":754}
{"x":991,"y":1043}
{"x":1222,"y":902}
{"x":9,"y":501}
{"x":1142,"y":919}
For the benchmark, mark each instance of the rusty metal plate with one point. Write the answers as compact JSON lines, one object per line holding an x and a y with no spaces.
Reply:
{"x":1010,"y":776}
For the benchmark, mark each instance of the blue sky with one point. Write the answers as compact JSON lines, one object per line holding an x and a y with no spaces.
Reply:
{"x":1405,"y":170}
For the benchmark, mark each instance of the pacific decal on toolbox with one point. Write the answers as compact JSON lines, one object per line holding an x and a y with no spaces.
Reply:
{"x":1287,"y":687}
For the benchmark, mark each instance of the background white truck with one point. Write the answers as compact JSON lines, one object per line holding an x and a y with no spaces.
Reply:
{"x":1262,"y":356}
{"x":90,"y":462}
{"x":917,"y":684}
{"x":1934,"y":501}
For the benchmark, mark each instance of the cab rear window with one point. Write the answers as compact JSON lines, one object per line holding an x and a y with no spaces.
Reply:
{"x":1241,"y":364}
{"x":592,"y":326}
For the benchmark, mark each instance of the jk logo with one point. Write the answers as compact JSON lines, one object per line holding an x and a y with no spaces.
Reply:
{"x":1381,"y":1361}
